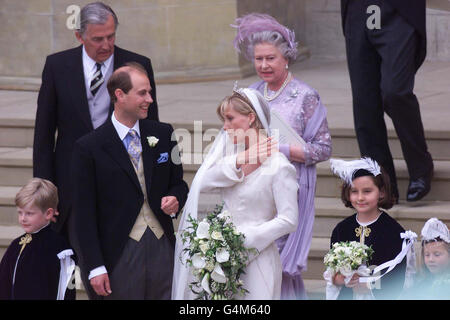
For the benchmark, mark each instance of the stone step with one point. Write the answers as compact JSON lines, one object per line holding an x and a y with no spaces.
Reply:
{"x":328,"y":185}
{"x":16,"y":170}
{"x":8,"y":212}
{"x":16,"y":132}
{"x":7,"y":235}
{"x":329,"y":208}
{"x":315,"y":289}
{"x":408,"y":214}
{"x":16,"y":166}
{"x":194,"y":137}
{"x":345,"y":143}
{"x":412,"y":216}
{"x":315,"y":268}
{"x":330,"y":211}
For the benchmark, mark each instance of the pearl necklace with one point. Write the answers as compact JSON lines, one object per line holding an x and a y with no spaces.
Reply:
{"x":286,"y":81}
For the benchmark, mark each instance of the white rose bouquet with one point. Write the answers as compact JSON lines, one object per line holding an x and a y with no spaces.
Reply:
{"x":216,"y":255}
{"x":347,"y":258}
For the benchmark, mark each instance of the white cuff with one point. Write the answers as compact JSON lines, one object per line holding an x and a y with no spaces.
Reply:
{"x":97,"y":271}
{"x":67,"y":268}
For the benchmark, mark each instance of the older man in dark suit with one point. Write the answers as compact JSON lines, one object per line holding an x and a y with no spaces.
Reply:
{"x":127,"y":186}
{"x":73,"y":99}
{"x":386,"y":45}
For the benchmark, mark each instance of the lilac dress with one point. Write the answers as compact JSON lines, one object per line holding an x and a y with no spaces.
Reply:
{"x":301,"y":107}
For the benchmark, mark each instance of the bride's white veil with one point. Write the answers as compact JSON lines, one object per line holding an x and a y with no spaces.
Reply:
{"x":182,"y":275}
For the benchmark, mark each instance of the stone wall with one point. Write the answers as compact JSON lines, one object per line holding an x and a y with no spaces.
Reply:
{"x":323,"y":35}
{"x":177,"y":34}
{"x":186,"y":39}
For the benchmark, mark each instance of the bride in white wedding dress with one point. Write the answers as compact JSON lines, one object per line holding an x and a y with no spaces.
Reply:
{"x":258,"y":186}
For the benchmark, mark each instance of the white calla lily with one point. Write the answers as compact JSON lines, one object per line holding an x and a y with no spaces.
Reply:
{"x":218,"y":275}
{"x":204,"y":247}
{"x":205,"y":284}
{"x":222,"y":255}
{"x":203,"y":230}
{"x":198,"y":261}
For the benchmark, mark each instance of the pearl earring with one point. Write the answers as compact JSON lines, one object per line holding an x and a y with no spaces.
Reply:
{"x":287,"y":67}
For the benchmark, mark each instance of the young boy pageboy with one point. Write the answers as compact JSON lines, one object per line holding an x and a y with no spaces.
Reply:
{"x":38,"y":264}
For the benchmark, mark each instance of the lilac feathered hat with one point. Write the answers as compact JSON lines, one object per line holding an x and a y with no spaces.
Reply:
{"x":258,"y":22}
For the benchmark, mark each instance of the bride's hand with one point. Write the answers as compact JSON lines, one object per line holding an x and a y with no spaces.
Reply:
{"x":257,"y":153}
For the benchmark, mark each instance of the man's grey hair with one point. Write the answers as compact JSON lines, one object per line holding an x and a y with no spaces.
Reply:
{"x":96,"y":13}
{"x":275,"y":39}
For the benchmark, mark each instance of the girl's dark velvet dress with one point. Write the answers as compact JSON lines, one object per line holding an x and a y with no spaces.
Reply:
{"x":384,"y":238}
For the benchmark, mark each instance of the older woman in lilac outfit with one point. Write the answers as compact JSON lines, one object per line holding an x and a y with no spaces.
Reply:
{"x":272,"y":47}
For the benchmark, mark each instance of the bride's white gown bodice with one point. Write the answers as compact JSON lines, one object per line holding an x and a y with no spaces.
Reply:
{"x":264,"y":207}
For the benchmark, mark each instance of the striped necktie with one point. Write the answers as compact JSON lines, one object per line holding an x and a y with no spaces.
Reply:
{"x":97,"y":79}
{"x":134,"y":148}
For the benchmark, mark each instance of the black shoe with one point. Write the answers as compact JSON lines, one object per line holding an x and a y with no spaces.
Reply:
{"x":419,"y":187}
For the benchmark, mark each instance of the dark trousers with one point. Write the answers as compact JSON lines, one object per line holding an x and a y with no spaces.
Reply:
{"x":382,"y":68}
{"x":143,"y":272}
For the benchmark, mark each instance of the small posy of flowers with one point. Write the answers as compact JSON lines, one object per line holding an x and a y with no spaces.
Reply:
{"x":216,"y":255}
{"x":152,"y":141}
{"x":346,"y":257}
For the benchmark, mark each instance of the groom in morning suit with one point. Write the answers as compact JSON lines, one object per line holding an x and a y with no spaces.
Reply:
{"x":73,"y":99}
{"x":126,"y":192}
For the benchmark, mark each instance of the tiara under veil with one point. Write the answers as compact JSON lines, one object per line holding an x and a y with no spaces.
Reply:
{"x":222,"y":146}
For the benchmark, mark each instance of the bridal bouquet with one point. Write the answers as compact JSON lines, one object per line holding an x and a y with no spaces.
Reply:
{"x":347,"y":258}
{"x":216,"y":255}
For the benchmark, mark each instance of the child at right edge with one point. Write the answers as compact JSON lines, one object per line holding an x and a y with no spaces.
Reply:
{"x":433,"y":278}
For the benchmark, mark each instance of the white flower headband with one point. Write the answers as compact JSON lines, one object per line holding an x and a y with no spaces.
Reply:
{"x":345,"y":169}
{"x":434,"y":229}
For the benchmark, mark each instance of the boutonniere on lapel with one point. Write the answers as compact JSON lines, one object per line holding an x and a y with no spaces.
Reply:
{"x":152,"y":141}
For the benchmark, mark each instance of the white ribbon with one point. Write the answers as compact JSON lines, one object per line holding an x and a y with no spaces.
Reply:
{"x":332,"y":291}
{"x":65,"y":274}
{"x":409,"y":238}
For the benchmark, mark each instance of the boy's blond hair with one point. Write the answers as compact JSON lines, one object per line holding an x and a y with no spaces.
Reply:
{"x":38,"y":192}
